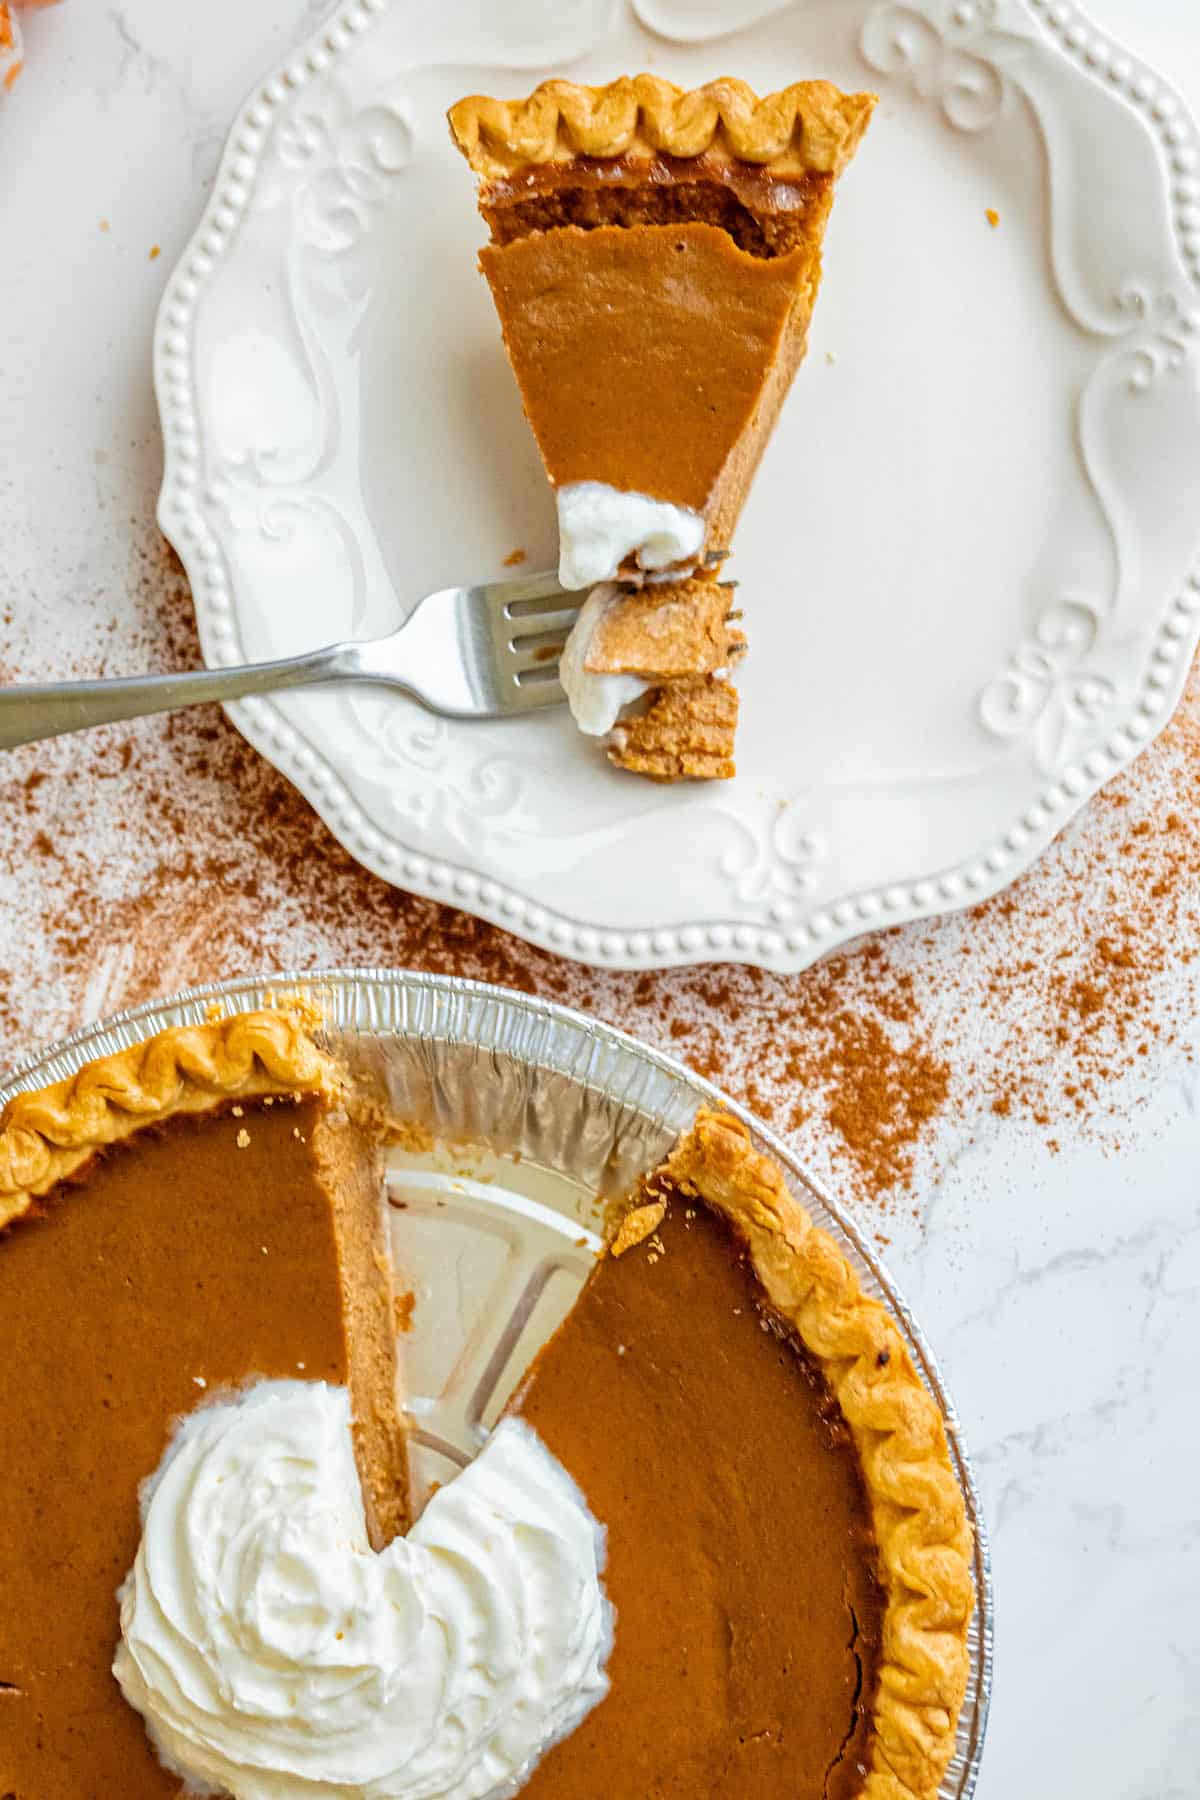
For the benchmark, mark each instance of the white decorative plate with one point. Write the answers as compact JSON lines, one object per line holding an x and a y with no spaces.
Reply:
{"x":965,"y":562}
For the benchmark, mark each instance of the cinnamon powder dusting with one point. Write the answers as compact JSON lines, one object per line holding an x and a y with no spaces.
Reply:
{"x":140,"y":859}
{"x":880,"y":1098}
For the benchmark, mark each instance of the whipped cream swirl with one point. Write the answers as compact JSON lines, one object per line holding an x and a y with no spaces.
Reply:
{"x":274,"y":1655}
{"x":599,"y":526}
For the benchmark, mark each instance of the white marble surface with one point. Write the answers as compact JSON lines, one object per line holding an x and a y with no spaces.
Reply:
{"x":1061,"y":1290}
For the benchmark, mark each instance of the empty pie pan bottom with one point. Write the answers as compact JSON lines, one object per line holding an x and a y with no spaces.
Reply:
{"x":536,"y":1113}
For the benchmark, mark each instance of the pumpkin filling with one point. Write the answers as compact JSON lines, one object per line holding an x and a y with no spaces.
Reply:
{"x":740,"y":1548}
{"x":204,"y":1254}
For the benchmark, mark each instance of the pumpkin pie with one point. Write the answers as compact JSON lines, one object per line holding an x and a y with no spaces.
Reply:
{"x":787,"y":1550}
{"x":654,"y":259}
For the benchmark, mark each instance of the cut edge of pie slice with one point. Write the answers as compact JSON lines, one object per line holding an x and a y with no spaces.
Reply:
{"x":655,"y":256}
{"x":923,"y":1537}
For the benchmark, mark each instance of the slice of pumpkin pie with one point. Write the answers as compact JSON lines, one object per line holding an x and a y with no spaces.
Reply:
{"x":654,"y":258}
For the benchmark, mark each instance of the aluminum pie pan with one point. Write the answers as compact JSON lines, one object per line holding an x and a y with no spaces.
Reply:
{"x":566,"y":1094}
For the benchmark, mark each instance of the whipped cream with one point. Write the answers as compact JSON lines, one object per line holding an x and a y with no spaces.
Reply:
{"x":274,"y":1655}
{"x":595,"y":700}
{"x":599,"y":526}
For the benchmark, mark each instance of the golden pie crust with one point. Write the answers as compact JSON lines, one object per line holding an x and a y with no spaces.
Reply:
{"x":808,"y":128}
{"x":924,"y":1541}
{"x":49,"y":1135}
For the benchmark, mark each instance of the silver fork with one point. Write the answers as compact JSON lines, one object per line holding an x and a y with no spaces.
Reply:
{"x":484,"y":652}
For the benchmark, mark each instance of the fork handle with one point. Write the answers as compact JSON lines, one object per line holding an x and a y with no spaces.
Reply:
{"x":28,"y":713}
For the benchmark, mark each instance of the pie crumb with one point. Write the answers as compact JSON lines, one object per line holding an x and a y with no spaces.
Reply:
{"x":992,"y":217}
{"x":243,"y":1138}
{"x":513,"y":558}
{"x":638,"y":1225}
{"x":673,"y":631}
{"x":239,"y":1112}
{"x":686,"y":734}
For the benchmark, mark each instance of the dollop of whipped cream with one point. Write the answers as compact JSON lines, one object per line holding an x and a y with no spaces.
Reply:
{"x":595,"y":700}
{"x":274,"y":1655}
{"x":599,"y":526}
